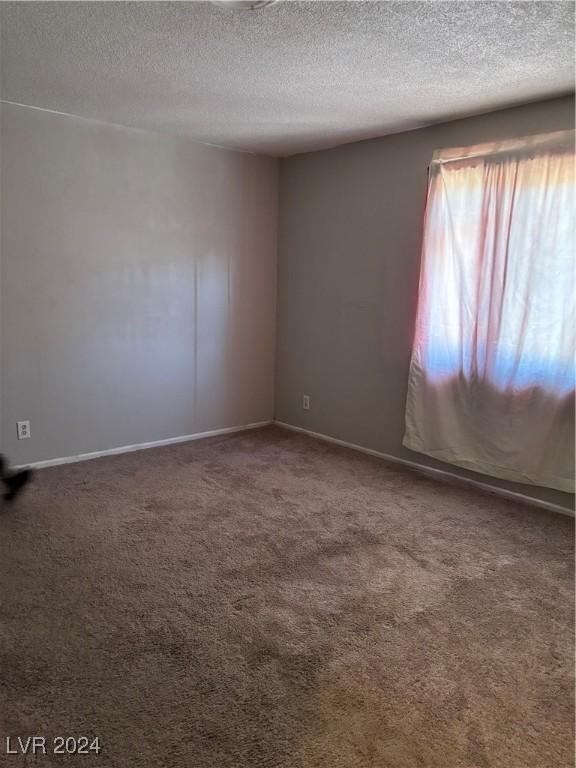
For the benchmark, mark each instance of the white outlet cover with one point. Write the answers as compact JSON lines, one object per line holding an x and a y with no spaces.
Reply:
{"x":23,"y":429}
{"x":306,"y":402}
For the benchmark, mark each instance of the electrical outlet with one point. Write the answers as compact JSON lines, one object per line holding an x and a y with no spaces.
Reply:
{"x":23,"y":429}
{"x":306,"y":402}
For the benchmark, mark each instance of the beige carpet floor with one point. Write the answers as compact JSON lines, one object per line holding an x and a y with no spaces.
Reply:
{"x":265,"y":600}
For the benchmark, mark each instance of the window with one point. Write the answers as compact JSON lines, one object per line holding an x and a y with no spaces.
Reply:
{"x":492,"y":376}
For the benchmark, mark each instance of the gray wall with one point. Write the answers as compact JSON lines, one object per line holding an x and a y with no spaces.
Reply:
{"x":349,"y":257}
{"x":138,"y":285}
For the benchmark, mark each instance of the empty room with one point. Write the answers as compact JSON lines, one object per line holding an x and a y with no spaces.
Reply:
{"x":287,"y":384}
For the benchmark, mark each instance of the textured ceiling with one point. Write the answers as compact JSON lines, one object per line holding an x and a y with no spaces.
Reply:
{"x":292,"y":77}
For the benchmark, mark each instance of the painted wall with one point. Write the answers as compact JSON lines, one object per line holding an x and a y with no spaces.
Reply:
{"x":349,"y":257}
{"x":138,"y":285}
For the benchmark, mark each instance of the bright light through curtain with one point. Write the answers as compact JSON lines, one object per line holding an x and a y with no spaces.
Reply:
{"x":492,"y":376}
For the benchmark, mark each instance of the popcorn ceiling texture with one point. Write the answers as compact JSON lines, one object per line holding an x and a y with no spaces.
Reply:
{"x":294,"y":77}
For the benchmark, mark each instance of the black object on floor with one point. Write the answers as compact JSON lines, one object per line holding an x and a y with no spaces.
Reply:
{"x":15,"y":483}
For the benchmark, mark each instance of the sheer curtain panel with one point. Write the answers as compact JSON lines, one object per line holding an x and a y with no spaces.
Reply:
{"x":491,"y":384}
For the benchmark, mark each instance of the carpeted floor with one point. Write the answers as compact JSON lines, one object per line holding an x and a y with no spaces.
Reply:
{"x":266,"y":600}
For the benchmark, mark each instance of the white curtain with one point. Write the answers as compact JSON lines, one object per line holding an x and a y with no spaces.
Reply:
{"x":492,"y":377}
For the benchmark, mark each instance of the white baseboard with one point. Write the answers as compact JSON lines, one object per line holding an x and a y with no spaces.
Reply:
{"x":143,"y":446}
{"x":438,"y":473}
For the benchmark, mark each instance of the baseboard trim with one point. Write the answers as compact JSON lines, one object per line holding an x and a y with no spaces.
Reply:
{"x":144,"y":446}
{"x":438,"y":473}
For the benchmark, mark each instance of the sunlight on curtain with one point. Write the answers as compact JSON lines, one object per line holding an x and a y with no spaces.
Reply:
{"x":492,"y":377}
